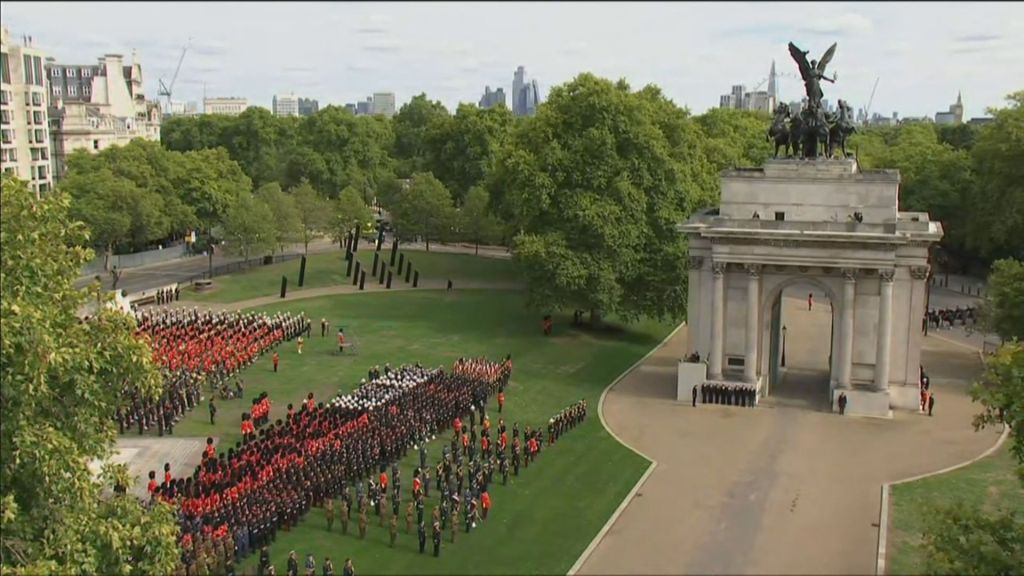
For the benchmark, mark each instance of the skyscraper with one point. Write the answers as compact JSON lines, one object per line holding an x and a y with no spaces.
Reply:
{"x":26,"y":145}
{"x":286,"y":105}
{"x":383,"y":103}
{"x":491,"y":99}
{"x":308,"y":106}
{"x":772,"y":87}
{"x":525,"y":94}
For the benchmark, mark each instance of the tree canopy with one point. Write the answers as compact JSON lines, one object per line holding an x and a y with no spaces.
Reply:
{"x":594,"y":184}
{"x":249,"y":226}
{"x":423,"y":210}
{"x":59,"y":396}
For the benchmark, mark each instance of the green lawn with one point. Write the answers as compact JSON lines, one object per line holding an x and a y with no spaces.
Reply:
{"x":989,"y":484}
{"x":542,"y":521}
{"x":328,"y":269}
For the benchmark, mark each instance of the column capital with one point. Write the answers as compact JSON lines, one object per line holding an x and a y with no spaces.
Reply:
{"x":695,"y":262}
{"x":718,"y":268}
{"x":886,"y":275}
{"x":849,"y":274}
{"x":919,"y":272}
{"x":754,"y":270}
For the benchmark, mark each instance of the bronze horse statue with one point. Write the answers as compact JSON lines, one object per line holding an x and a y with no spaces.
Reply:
{"x":779,"y":132}
{"x":815,"y":132}
{"x":841,"y":130}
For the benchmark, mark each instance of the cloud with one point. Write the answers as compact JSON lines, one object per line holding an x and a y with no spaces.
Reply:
{"x":208,"y":48}
{"x":974,"y":38}
{"x":359,"y":67}
{"x":383,"y":47}
{"x":841,"y":25}
{"x":298,"y":69}
{"x":370,"y":30}
{"x":973,"y":49}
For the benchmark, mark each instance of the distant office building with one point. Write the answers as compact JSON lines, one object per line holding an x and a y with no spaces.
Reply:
{"x":955,"y":114}
{"x":725,"y":101}
{"x":351,"y":109}
{"x":182,"y":109}
{"x":759,"y":101}
{"x":525,"y":94}
{"x":363,"y":107}
{"x":981,"y":121}
{"x":308,"y":106}
{"x":491,"y":99}
{"x":94,"y":107}
{"x":383,"y":104}
{"x":225,"y":106}
{"x":756,"y":100}
{"x":25,"y":146}
{"x":286,"y":105}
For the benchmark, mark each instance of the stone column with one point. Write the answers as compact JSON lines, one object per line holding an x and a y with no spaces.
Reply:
{"x":717,"y":321}
{"x":882,"y":352}
{"x":750,"y":356}
{"x":846,"y":328}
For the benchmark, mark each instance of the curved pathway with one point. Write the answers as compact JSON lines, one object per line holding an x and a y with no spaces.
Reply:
{"x":775,"y":489}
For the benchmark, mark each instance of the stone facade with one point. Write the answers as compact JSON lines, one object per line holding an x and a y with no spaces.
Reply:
{"x":830,"y":225}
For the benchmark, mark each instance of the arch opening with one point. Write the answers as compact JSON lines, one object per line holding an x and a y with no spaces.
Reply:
{"x":799,"y":341}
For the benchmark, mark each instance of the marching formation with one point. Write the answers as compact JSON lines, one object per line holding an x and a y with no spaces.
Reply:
{"x":566,"y":420}
{"x":949,"y":317}
{"x":236,"y":501}
{"x":193,"y":347}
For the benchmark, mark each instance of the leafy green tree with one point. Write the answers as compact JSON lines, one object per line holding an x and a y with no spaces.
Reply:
{"x":423,"y":210}
{"x":210,"y":182}
{"x":314,"y":213}
{"x":594,"y":186}
{"x":59,"y":396}
{"x":411,"y":125}
{"x":460,"y":150}
{"x":249,"y":226}
{"x":287,"y":226}
{"x":735,"y":138}
{"x":348,"y":209}
{"x":964,"y":541}
{"x":1001,"y":393}
{"x":1003,"y":312}
{"x":476,"y":223}
{"x":997,"y":203}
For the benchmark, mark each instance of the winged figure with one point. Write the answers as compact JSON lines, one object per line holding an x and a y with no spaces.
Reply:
{"x":813,"y":72}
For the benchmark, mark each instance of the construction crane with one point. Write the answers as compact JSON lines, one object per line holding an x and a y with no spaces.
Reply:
{"x":867,"y":109}
{"x":168,"y":90}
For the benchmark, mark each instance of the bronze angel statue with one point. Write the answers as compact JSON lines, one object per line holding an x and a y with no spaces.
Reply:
{"x":814,"y":72}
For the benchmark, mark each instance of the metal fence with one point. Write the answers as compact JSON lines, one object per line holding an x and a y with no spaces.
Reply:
{"x":126,"y":261}
{"x":242,"y":265}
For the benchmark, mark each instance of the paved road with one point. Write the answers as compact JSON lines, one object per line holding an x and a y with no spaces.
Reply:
{"x":776,"y":489}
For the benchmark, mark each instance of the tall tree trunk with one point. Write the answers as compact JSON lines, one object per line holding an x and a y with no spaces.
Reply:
{"x":477,"y":252}
{"x":427,"y":239}
{"x":595,"y":317}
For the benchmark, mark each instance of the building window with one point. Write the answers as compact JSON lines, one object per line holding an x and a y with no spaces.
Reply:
{"x":37,"y":118}
{"x":57,"y":91}
{"x":55,"y":72}
{"x":37,"y":99}
{"x":5,"y":97}
{"x":42,"y":173}
{"x":780,"y":216}
{"x":86,"y":72}
{"x":5,"y":69}
{"x":71,"y":72}
{"x":40,"y":137}
{"x":72,"y":90}
{"x":86,"y":90}
{"x":5,"y":136}
{"x":95,"y":144}
{"x":44,"y":154}
{"x":5,"y":116}
{"x":44,"y":187}
{"x":12,"y":155}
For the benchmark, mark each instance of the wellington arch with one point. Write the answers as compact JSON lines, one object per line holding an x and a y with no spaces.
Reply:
{"x":823,"y":223}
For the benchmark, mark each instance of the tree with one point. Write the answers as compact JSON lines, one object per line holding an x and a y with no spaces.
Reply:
{"x":966,"y":541}
{"x":411,"y":126}
{"x":59,"y":396}
{"x":348,"y":209}
{"x":314,"y":213}
{"x":594,"y":184}
{"x":476,"y":223}
{"x":287,"y":226}
{"x":1003,"y":312}
{"x":423,"y":209}
{"x":997,"y":203}
{"x":735,"y":138}
{"x":249,"y":226}
{"x":1001,"y":392}
{"x":460,"y":150}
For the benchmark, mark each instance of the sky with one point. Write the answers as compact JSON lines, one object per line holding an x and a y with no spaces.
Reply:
{"x":922,"y":54}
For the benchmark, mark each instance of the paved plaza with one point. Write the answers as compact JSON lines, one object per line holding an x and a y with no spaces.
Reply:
{"x":787,"y":487}
{"x":145,"y":453}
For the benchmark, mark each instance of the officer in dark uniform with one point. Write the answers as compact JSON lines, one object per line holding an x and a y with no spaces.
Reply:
{"x":437,"y":539}
{"x":422,"y":537}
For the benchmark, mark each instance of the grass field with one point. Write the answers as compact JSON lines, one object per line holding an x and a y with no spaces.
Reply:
{"x":540,"y":522}
{"x":989,"y":484}
{"x":328,"y":269}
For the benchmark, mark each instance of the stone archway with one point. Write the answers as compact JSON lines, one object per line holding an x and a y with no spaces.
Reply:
{"x":771,"y":340}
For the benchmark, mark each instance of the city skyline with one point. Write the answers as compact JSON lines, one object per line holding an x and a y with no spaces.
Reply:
{"x":339,"y":53}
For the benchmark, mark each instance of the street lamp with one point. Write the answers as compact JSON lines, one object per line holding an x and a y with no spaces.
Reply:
{"x":783,"y":346}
